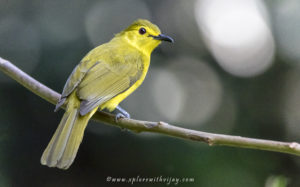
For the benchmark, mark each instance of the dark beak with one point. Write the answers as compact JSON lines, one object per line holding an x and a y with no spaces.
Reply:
{"x":164,"y":37}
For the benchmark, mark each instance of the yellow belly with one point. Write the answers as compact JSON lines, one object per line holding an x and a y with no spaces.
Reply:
{"x":111,"y":104}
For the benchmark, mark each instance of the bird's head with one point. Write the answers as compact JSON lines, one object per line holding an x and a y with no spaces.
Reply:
{"x":144,"y":35}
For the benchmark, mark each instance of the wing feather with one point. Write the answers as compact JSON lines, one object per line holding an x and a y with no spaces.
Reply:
{"x":73,"y":81}
{"x":104,"y":82}
{"x":96,"y":80}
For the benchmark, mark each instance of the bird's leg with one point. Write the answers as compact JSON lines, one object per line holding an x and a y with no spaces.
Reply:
{"x":121,"y":113}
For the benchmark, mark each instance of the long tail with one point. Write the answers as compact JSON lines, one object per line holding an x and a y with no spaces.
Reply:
{"x":63,"y":147}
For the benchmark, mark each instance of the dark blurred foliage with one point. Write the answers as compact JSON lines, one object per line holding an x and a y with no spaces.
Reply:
{"x":223,"y":75}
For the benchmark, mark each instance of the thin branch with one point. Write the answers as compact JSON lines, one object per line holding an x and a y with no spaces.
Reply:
{"x":154,"y":127}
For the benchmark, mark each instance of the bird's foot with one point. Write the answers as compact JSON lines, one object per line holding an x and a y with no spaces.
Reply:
{"x":121,"y":114}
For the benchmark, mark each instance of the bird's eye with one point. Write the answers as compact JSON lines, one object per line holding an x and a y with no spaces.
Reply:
{"x":142,"y":30}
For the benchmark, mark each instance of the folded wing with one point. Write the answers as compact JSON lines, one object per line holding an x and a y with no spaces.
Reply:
{"x":105,"y":81}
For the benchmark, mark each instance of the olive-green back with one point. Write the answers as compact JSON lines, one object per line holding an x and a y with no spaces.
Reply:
{"x":103,"y":73}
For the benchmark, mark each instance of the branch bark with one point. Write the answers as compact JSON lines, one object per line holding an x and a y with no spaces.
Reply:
{"x":154,"y":127}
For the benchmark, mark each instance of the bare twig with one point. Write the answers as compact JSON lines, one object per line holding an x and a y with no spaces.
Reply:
{"x":155,"y":127}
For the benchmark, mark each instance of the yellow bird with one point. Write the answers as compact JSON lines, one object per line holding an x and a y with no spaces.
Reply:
{"x":103,"y":78}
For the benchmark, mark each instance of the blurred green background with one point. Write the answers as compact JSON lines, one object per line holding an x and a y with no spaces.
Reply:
{"x":234,"y":68}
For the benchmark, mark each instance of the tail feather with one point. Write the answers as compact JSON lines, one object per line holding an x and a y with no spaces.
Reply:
{"x":56,"y":146}
{"x":74,"y":141}
{"x":63,"y":147}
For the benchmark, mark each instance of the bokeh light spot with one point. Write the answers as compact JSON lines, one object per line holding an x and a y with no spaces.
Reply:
{"x":287,"y":28}
{"x":200,"y":94}
{"x":291,"y":109}
{"x":237,"y":34}
{"x":168,"y":94}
